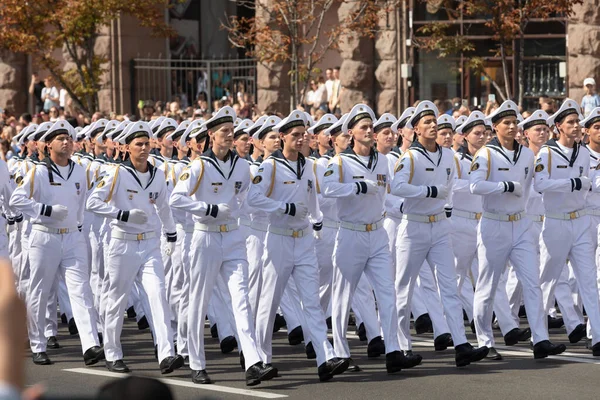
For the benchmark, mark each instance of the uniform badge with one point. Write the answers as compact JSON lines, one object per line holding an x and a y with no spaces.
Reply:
{"x":261,"y":169}
{"x":474,"y":166}
{"x":101,"y":184}
{"x":310,"y":186}
{"x":152,"y":196}
{"x":78,"y":186}
{"x":99,"y":178}
{"x":381,"y":179}
{"x":130,"y":197}
{"x":257,"y":179}
{"x":580,"y":172}
{"x":238,"y":187}
{"x":328,"y":172}
{"x":448,"y":171}
{"x":19,"y":180}
{"x":526,"y":171}
{"x":399,"y":167}
{"x":539,"y":168}
{"x":598,"y":167}
{"x":184,"y":177}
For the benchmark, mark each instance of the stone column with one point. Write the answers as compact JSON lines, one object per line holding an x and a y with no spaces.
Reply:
{"x":385,"y":59}
{"x":583,"y":47}
{"x":356,"y":73}
{"x":14,"y":82}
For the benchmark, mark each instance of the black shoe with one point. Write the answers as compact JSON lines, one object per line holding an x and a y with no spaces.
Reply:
{"x":352,"y":366}
{"x":260,"y":372}
{"x":555,"y":323}
{"x":577,"y":334}
{"x":423,"y":324}
{"x":493,"y":355}
{"x":73,"y":327}
{"x":170,"y":364}
{"x":376,"y":347}
{"x":131,"y":313}
{"x":328,"y":322}
{"x":186,"y":361}
{"x":465,"y":316}
{"x":361,"y":332}
{"x":228,"y":344}
{"x":52,"y":343}
{"x":100,"y":338}
{"x":117,"y":366}
{"x":296,"y":336}
{"x":242,"y":361}
{"x":522,"y":312}
{"x":41,"y":358}
{"x":443,"y":341}
{"x":201,"y":377}
{"x":156,"y":352}
{"x":214,"y":332}
{"x":473,"y":326}
{"x":93,"y":355}
{"x":545,"y":348}
{"x":517,"y":335}
{"x":466,"y":354}
{"x":332,"y":367}
{"x":63,"y":318}
{"x":310,"y":351}
{"x":397,"y":360}
{"x":351,"y":320}
{"x":596,"y":349}
{"x":143,"y":323}
{"x":279,"y":323}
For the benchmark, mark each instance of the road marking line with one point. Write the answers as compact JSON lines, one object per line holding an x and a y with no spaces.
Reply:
{"x":176,"y":382}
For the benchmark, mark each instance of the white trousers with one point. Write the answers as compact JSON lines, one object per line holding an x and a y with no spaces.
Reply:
{"x":464,"y":245}
{"x":357,"y":253}
{"x":573,"y":240}
{"x":324,"y":249}
{"x":254,"y":247}
{"x":418,"y":242}
{"x":284,"y":258}
{"x":51,"y":254}
{"x":222,"y":255}
{"x":363,"y":304}
{"x":499,"y":242}
{"x":184,"y":300}
{"x":128,"y":261}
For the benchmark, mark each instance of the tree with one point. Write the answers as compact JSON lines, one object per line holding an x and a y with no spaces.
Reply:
{"x":294,"y":32}
{"x":507,"y":19}
{"x":40,"y":27}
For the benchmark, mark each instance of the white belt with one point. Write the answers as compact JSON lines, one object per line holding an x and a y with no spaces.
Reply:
{"x":331,"y":224}
{"x":185,"y":228}
{"x":215,"y":228}
{"x":259,"y":226}
{"x":504,"y":217}
{"x":245,"y":222}
{"x":566,"y":216}
{"x":132,"y":236}
{"x":425,"y":218}
{"x":362,"y":227}
{"x":593,"y":212}
{"x":60,"y":231}
{"x":536,"y":218}
{"x":288,"y":232}
{"x":466,"y":214}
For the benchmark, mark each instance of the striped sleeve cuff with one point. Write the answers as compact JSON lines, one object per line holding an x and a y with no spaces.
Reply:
{"x":171,"y":237}
{"x":123,"y":216}
{"x":46,"y":210}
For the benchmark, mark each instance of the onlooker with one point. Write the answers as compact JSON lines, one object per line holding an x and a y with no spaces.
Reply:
{"x":591,"y":99}
{"x":25,"y":119}
{"x":334,"y":103}
{"x":35,"y":89}
{"x":50,"y":94}
{"x":329,"y":83}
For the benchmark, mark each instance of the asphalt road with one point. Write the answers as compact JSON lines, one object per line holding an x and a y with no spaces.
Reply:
{"x":573,"y":375}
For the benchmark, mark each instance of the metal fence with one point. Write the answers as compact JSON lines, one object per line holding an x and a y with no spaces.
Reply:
{"x":166,"y":79}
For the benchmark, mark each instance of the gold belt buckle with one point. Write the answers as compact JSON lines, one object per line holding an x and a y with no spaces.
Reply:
{"x":432,"y":218}
{"x":542,"y":218}
{"x":477,"y":216}
{"x":140,"y":236}
{"x":223,"y":228}
{"x":368,"y":227}
{"x":62,"y":231}
{"x":295,"y":234}
{"x":512,"y":217}
{"x":573,"y":215}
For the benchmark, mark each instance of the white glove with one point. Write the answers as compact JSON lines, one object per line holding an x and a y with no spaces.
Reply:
{"x":372,"y":187}
{"x":169,"y":248}
{"x":586,"y":183}
{"x":518,"y":189}
{"x":59,"y":213}
{"x":224,"y":211}
{"x":137,"y":216}
{"x":442,"y":192}
{"x":301,"y":211}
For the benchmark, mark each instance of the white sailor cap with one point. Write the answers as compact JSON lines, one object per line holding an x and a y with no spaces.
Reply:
{"x":77,"y":130}
{"x":336,"y":128}
{"x":24,"y":134}
{"x":118,"y":130}
{"x":96,"y":128}
{"x":446,"y":121}
{"x":538,"y":117}
{"x":474,"y":119}
{"x":267,"y":127}
{"x":40,"y":131}
{"x":423,"y":109}
{"x":309,"y":120}
{"x":155,"y":123}
{"x":20,"y":134}
{"x":325,"y":122}
{"x":176,"y":134}
{"x":83,"y":133}
{"x":196,"y":129}
{"x":568,"y":107}
{"x":108,"y":128}
{"x":167,"y":126}
{"x":358,"y":112}
{"x":296,"y":118}
{"x":256,"y":126}
{"x":401,"y":122}
{"x":519,"y":118}
{"x":225,"y":115}
{"x":242,"y":127}
{"x":237,"y":121}
{"x":459,"y":121}
{"x":134,"y":131}
{"x":507,"y":109}
{"x":385,"y":121}
{"x":60,"y":127}
{"x":592,"y":118}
